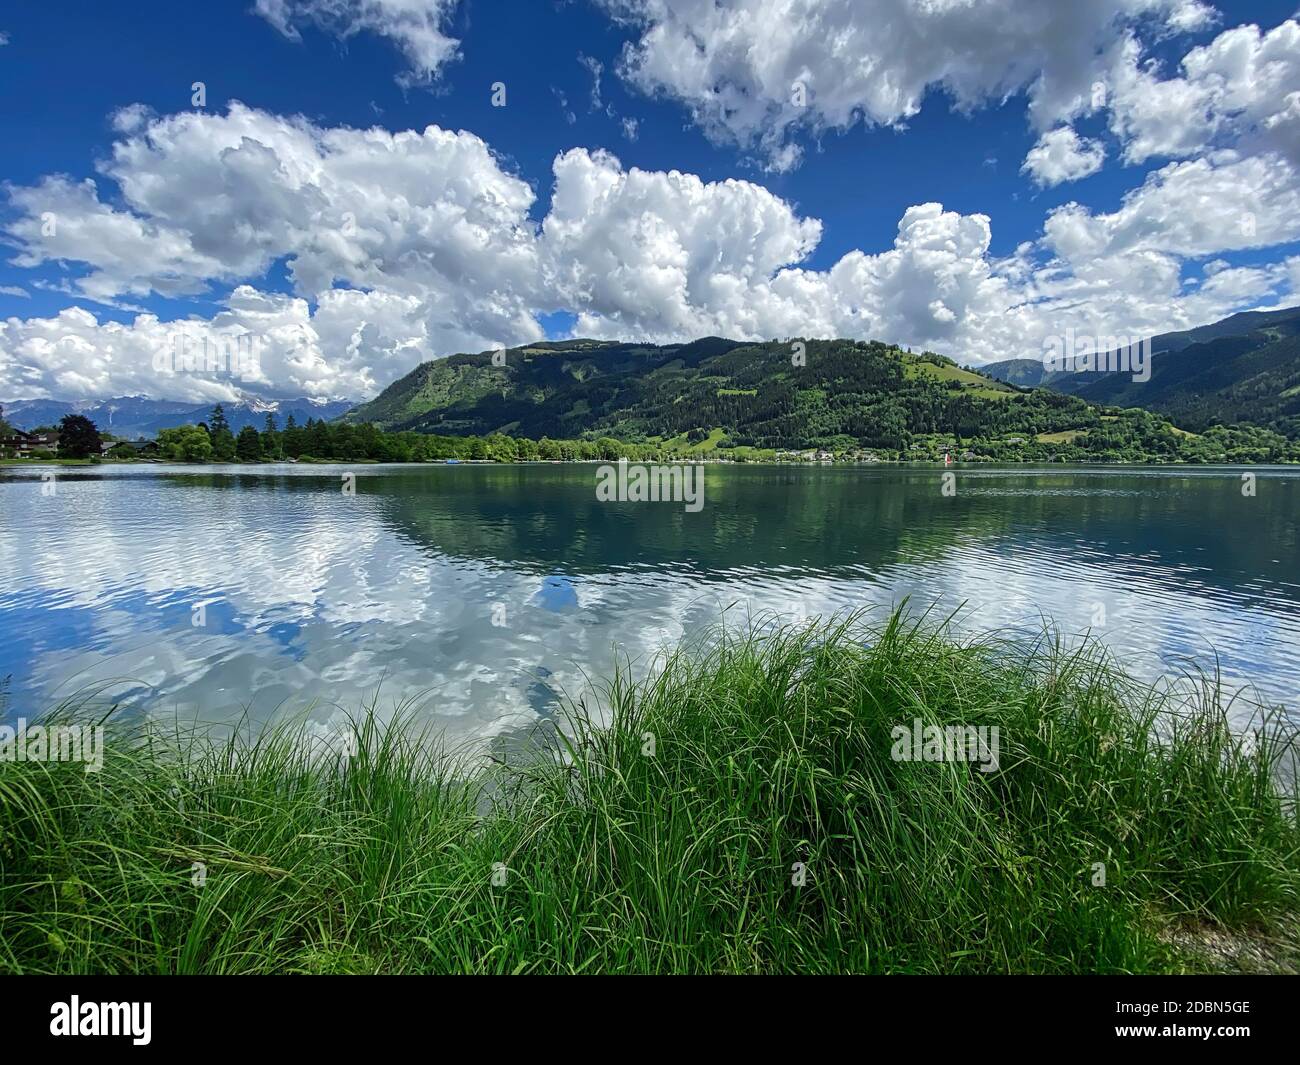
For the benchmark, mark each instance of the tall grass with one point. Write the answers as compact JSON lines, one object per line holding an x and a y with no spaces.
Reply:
{"x":662,"y":835}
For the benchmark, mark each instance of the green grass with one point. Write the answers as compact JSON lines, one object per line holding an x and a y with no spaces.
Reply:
{"x":913,"y":368}
{"x":681,"y":444}
{"x":770,"y":748}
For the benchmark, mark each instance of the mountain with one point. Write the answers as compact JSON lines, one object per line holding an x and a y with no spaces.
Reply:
{"x":1233,"y":380}
{"x":1024,"y":373}
{"x":136,"y":416}
{"x":1242,"y":370}
{"x":844,"y":393}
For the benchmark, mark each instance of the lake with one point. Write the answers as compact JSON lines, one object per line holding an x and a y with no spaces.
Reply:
{"x":473,"y":594}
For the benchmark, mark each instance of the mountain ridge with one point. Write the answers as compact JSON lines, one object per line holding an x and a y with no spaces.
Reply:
{"x":136,"y":416}
{"x":796,"y":392}
{"x":1032,"y":372}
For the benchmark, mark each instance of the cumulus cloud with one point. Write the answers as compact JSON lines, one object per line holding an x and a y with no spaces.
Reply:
{"x":75,"y":356}
{"x":654,"y":250}
{"x":1062,"y":155}
{"x":667,"y":256}
{"x":754,"y":72}
{"x":406,"y":246}
{"x":211,"y":197}
{"x":640,"y":255}
{"x":1220,"y":203}
{"x":417,"y":27}
{"x":1243,"y":89}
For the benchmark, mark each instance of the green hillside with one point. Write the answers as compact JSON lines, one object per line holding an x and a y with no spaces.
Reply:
{"x":1027,"y":373}
{"x":1243,"y":370}
{"x":1247,"y":380}
{"x":846,"y":393}
{"x":716,"y":395}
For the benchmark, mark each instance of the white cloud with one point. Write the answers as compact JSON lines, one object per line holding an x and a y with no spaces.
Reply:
{"x":352,"y":345}
{"x":650,"y":249}
{"x":65,"y":221}
{"x":667,"y":257}
{"x":1242,"y":89}
{"x":1062,"y":155}
{"x":754,"y":72}
{"x":417,"y":27}
{"x":1202,"y":207}
{"x":406,"y":246}
{"x":213,"y":197}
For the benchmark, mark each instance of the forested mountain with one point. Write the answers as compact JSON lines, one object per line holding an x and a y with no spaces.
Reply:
{"x":1234,"y":380}
{"x":1242,"y":370}
{"x":824,"y":393}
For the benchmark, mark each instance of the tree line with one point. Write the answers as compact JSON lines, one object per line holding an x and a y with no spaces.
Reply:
{"x":213,"y":441}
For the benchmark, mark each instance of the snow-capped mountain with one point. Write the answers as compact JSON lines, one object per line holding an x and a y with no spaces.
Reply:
{"x":135,"y":416}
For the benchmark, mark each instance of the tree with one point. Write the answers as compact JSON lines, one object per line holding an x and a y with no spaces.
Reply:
{"x":248,"y":448}
{"x":367,"y":437}
{"x":78,"y":437}
{"x":319,"y":443}
{"x":291,"y":440}
{"x":186,"y":443}
{"x":271,"y":442}
{"x":223,"y":440}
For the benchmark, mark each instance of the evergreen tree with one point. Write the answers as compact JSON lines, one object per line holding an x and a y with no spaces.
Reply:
{"x":272,"y":444}
{"x":248,"y":448}
{"x":291,"y":440}
{"x":319,"y":443}
{"x":223,"y":440}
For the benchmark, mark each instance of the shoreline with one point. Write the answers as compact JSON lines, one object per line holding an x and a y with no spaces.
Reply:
{"x":681,"y":460}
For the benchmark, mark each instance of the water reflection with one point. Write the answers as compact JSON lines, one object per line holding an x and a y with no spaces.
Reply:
{"x":476,"y":593}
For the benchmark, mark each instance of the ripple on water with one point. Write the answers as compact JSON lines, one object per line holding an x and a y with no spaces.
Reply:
{"x":478,"y":594}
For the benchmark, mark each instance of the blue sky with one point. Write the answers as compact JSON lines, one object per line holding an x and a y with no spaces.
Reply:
{"x":732,"y":259}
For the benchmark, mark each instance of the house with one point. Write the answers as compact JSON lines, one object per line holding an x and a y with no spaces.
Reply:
{"x":24,"y":444}
{"x":142,"y":448}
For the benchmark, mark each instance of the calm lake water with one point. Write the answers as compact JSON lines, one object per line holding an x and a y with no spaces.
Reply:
{"x":477,"y":592}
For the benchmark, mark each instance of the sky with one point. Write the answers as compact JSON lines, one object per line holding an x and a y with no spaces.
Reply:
{"x":350,"y":187}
